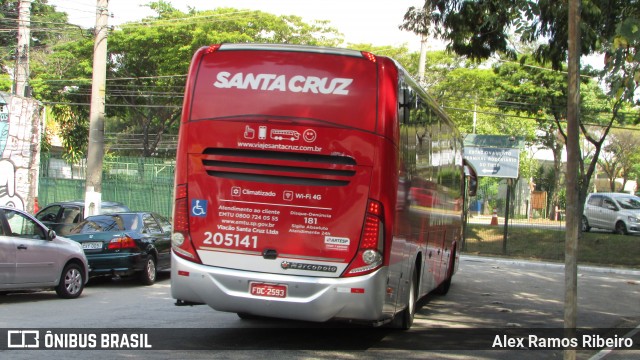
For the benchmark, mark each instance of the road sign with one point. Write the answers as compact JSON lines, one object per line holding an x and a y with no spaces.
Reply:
{"x":494,"y":161}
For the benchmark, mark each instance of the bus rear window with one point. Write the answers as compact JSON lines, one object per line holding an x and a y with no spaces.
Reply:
{"x":286,"y":85}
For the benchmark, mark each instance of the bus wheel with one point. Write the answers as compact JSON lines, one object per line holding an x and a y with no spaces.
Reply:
{"x":443,"y":288}
{"x":404,"y":319}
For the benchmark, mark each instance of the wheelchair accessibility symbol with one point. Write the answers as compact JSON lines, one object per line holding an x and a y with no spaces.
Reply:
{"x":198,"y":208}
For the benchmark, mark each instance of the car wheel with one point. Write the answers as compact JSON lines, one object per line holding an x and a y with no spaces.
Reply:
{"x":148,"y":275}
{"x":71,"y":282}
{"x":585,"y":224}
{"x":621,"y":229}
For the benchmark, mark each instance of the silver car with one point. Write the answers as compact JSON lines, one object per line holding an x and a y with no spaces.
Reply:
{"x":618,"y":212}
{"x":32,"y":257}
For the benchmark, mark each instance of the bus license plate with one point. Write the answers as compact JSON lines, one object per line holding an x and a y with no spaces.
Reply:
{"x":268,"y":290}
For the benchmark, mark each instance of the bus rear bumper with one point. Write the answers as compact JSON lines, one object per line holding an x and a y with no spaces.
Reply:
{"x":317,"y":299}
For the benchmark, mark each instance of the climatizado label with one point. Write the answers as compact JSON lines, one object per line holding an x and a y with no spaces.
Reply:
{"x":272,"y":82}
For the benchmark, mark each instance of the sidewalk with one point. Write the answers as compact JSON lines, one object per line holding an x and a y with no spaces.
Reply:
{"x":551,"y":265}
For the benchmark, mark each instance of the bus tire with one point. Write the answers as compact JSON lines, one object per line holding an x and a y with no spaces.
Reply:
{"x":443,"y":288}
{"x":404,"y":319}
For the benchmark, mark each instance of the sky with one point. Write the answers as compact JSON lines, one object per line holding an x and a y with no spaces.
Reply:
{"x":361,"y":21}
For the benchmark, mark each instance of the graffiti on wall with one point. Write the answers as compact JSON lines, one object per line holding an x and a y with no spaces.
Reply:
{"x":20,"y":131}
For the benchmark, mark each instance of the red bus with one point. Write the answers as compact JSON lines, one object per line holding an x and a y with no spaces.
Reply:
{"x":294,"y":174}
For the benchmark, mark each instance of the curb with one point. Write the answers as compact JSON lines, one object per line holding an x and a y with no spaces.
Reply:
{"x":597,"y":269}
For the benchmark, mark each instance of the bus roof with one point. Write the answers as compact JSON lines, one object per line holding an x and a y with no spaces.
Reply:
{"x":293,"y":48}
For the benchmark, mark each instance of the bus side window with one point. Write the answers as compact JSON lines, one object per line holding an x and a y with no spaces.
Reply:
{"x":404,"y":103}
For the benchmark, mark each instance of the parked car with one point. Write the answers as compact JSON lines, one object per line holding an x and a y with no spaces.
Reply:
{"x":125,"y":244}
{"x":618,"y":212}
{"x":32,"y":257}
{"x":62,"y":216}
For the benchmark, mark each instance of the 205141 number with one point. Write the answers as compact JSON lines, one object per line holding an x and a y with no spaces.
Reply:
{"x":230,"y":240}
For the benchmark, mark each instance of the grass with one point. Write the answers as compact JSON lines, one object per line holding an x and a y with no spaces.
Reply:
{"x":533,"y":243}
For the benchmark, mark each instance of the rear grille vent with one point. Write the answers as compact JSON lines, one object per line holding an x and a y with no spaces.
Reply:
{"x":279,"y":167}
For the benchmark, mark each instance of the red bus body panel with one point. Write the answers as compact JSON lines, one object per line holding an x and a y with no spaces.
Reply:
{"x":247,"y":103}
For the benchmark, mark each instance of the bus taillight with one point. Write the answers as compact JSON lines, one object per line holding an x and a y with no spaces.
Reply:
{"x":369,"y":256}
{"x":180,"y":239}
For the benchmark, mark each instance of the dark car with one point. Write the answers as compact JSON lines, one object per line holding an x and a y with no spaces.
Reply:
{"x":62,"y":216}
{"x":125,"y":244}
{"x":32,"y":257}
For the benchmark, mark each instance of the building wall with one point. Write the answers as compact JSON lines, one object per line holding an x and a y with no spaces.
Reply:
{"x":20,"y":134}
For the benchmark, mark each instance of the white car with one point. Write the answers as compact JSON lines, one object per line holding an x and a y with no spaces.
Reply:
{"x":618,"y":212}
{"x":32,"y":257}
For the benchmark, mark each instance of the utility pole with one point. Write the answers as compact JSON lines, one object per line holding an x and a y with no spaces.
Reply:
{"x":423,"y":60}
{"x":22,"y":53}
{"x":573,"y":185}
{"x":95,"y":151}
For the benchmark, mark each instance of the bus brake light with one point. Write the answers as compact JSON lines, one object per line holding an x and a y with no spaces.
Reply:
{"x":369,"y":56}
{"x":213,"y":48}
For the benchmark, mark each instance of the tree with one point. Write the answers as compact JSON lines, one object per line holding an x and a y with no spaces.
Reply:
{"x":61,"y":77}
{"x":148,"y":62}
{"x":479,"y":29}
{"x":527,"y":87}
{"x":619,"y":156}
{"x":47,"y":28}
{"x":401,"y":54}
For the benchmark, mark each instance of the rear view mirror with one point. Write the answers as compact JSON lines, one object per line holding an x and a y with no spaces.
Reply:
{"x":473,"y":186}
{"x":471,"y":178}
{"x":51,"y":234}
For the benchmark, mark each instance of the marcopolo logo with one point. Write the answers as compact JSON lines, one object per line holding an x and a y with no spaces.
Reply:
{"x":308,"y":267}
{"x":273,"y":82}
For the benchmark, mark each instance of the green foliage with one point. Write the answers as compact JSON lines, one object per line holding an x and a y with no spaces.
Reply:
{"x":5,"y":83}
{"x":45,"y":28}
{"x":147,"y":66}
{"x":401,"y":54}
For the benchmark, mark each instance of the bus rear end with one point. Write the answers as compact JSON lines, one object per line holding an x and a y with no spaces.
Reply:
{"x":279,"y":208}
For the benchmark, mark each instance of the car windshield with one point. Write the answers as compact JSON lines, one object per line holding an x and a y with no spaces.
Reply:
{"x":630,"y":203}
{"x":114,"y":209}
{"x":102,"y":223}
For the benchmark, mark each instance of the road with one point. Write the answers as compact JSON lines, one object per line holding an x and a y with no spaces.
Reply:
{"x":487,"y":295}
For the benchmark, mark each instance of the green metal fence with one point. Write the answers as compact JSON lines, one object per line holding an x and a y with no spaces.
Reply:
{"x":140,"y":183}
